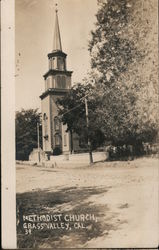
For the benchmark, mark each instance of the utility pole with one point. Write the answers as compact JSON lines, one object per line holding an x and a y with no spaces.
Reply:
{"x":89,"y":142}
{"x":38,"y":141}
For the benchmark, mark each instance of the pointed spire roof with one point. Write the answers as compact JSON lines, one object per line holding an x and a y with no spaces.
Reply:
{"x":57,"y":46}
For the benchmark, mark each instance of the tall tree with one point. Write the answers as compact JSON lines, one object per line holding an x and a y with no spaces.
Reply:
{"x":73,"y":113}
{"x":125,"y":68}
{"x":26,"y":132}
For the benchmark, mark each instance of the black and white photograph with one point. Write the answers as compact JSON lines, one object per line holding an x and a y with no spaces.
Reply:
{"x":86,"y":124}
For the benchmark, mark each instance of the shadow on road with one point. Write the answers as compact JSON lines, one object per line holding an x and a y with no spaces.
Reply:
{"x":72,"y":201}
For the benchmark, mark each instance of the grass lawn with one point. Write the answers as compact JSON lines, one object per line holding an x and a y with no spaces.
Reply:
{"x":117,"y":203}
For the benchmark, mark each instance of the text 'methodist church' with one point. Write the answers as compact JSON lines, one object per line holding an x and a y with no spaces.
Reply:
{"x":57,"y":84}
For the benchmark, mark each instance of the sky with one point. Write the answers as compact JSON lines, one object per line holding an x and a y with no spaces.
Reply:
{"x":34,"y":29}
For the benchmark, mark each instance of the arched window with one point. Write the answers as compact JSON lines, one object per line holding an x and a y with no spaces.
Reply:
{"x":56,"y":123}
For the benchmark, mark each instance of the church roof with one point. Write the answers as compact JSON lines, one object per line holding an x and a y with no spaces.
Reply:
{"x":55,"y":91}
{"x":57,"y":46}
{"x":57,"y":53}
{"x":56,"y":72}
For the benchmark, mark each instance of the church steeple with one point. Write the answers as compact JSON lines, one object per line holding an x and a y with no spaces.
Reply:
{"x":57,"y":46}
{"x":57,"y":85}
{"x":57,"y":77}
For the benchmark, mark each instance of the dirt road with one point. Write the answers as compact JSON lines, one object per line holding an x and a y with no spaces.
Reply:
{"x":118,"y":202}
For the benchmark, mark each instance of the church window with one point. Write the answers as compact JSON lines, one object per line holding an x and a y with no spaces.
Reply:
{"x":53,"y":63}
{"x":56,"y":123}
{"x":44,"y":116}
{"x":60,"y":63}
{"x":63,"y":81}
{"x":45,"y":124}
{"x":53,"y":82}
{"x":65,"y":140}
{"x":64,"y":64}
{"x":59,"y":82}
{"x":57,"y":140}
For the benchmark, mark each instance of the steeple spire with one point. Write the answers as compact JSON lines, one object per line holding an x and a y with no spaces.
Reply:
{"x":57,"y":38}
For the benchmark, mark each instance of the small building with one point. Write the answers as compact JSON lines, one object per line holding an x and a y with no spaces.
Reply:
{"x":57,"y":84}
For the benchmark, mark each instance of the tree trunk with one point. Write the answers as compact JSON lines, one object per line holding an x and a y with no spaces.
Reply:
{"x":90,"y":156}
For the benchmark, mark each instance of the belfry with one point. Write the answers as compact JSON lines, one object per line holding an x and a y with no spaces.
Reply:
{"x":57,"y":84}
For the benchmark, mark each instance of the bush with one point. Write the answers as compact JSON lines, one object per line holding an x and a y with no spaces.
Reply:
{"x":57,"y":151}
{"x":125,"y":152}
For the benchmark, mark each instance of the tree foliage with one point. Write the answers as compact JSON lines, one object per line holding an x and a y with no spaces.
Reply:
{"x":26,"y":132}
{"x":72,"y":112}
{"x":124,"y":61}
{"x":111,"y":52}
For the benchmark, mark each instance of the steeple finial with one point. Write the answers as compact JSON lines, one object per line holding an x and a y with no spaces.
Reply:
{"x":57,"y":38}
